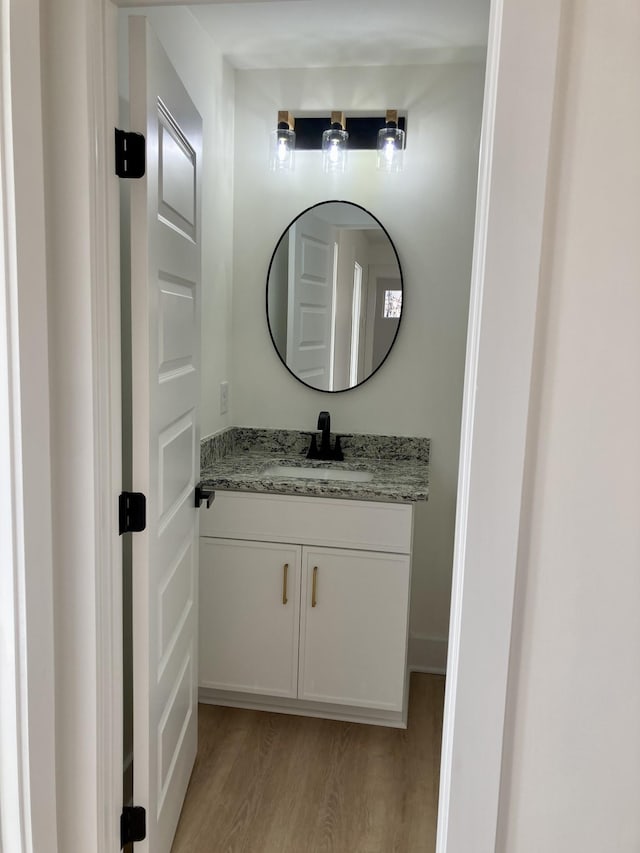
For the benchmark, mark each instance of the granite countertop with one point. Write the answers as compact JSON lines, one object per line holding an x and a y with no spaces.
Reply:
{"x":237,"y":461}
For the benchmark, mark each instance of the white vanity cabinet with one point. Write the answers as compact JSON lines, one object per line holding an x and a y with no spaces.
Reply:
{"x":327,"y":635}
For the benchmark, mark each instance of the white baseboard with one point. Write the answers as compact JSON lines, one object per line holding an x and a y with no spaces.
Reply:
{"x":302,"y":708}
{"x":428,"y":654}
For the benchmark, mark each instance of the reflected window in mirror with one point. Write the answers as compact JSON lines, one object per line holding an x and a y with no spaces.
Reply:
{"x":392,"y":304}
{"x":334,"y":296}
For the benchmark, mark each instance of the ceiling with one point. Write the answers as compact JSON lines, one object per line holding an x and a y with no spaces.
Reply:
{"x":338,"y":33}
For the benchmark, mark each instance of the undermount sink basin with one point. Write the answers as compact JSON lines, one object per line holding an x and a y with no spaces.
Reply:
{"x":318,"y":473}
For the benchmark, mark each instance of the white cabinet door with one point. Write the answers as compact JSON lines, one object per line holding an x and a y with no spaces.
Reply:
{"x":249,"y":616}
{"x":165,"y":298}
{"x":353,"y":628}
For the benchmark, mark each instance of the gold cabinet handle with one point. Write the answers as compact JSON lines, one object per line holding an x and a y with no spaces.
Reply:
{"x":285,"y":572}
{"x":314,"y":587}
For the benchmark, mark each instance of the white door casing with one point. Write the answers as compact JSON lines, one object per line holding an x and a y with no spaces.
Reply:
{"x":165,"y":285}
{"x":310,"y":310}
{"x":28,"y":805}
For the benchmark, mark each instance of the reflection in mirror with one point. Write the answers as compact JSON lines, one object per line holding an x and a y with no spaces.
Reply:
{"x":334,"y":296}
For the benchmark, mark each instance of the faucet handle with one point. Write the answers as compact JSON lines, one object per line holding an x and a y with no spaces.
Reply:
{"x":338,"y":455}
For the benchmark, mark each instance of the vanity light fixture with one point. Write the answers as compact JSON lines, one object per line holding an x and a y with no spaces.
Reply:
{"x":391,"y":141}
{"x":283,"y":143}
{"x":384,"y":133}
{"x":334,"y":145}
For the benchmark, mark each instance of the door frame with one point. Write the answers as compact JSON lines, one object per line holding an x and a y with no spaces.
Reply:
{"x":27,"y":688}
{"x":519,"y":94}
{"x":508,"y":244}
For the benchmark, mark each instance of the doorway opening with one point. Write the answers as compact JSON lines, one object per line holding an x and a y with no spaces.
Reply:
{"x":425,"y":647}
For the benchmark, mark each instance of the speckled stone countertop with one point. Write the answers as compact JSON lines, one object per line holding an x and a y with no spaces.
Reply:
{"x":237,"y":459}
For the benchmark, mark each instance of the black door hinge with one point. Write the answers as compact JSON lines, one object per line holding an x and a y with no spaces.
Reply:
{"x":133,"y":512}
{"x":133,"y":825}
{"x":130,"y":154}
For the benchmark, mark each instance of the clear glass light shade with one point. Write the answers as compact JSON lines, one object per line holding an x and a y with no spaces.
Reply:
{"x":282,"y":150}
{"x":390,"y":149}
{"x":334,"y":150}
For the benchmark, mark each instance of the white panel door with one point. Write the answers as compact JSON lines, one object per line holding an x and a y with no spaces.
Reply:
{"x":311,"y":297}
{"x":165,"y":301}
{"x":249,"y":616}
{"x":353,"y":627}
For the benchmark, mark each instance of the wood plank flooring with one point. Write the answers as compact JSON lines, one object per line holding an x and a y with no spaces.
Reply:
{"x":273,"y":783}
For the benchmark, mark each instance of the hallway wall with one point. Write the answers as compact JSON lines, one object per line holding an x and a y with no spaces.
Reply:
{"x":571,"y":770}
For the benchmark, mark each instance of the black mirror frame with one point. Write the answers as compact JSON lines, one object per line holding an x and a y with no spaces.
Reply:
{"x":395,"y":252}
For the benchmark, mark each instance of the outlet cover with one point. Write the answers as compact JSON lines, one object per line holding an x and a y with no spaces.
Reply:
{"x":224,"y":398}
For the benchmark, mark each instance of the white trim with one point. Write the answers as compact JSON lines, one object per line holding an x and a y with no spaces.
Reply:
{"x":520,"y":83}
{"x":27,"y":769}
{"x":105,"y":264}
{"x":303,"y":708}
{"x":429,"y":670}
{"x":355,"y":324}
{"x":14,"y":788}
{"x":467,"y":425}
{"x":84,"y":322}
{"x":428,"y":654}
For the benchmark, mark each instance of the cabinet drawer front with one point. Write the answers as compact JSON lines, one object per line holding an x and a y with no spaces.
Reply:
{"x":363,"y":525}
{"x":249,"y":616}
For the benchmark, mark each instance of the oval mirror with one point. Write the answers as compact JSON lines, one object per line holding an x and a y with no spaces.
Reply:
{"x":334,"y":296}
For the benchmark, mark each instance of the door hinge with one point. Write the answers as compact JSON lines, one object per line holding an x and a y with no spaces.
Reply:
{"x":133,"y":825}
{"x":130,"y":154}
{"x":133,"y":512}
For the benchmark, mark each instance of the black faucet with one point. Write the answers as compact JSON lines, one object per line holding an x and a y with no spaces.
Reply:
{"x":325,"y":451}
{"x":324,"y":424}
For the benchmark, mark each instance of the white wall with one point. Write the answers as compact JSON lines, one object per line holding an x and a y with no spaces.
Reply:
{"x":429,"y":213}
{"x":210,"y":82}
{"x":571,"y":772}
{"x":278,"y":295}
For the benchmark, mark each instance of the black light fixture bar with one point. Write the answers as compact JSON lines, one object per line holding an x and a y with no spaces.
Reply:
{"x":363,"y":131}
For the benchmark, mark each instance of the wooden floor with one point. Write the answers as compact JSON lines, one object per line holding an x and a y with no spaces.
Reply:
{"x":273,"y":783}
